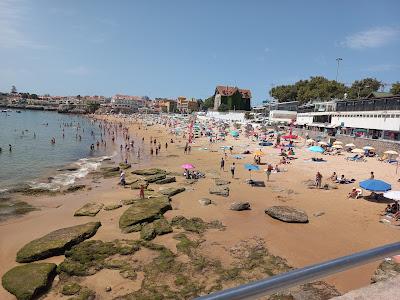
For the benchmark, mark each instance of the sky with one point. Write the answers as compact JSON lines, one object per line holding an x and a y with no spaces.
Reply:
{"x":173,"y":48}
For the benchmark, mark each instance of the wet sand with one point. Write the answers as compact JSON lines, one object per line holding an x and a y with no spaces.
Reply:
{"x":345,"y":227}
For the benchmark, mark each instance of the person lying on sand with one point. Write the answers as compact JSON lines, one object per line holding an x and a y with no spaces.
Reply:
{"x":353,"y":194}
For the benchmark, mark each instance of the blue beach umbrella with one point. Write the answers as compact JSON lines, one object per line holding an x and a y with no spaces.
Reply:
{"x":316,"y":149}
{"x":234,"y":133}
{"x":250,"y":167}
{"x":375,"y":185}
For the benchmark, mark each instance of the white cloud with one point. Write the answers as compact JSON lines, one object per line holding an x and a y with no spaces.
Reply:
{"x":79,"y":71}
{"x":13,"y":13}
{"x":382,"y":68}
{"x":371,"y":38}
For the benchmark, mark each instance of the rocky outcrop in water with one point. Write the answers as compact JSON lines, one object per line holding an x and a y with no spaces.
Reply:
{"x":29,"y":281}
{"x":56,"y":242}
{"x":287,"y":214}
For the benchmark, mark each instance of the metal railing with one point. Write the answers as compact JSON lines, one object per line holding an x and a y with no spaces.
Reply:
{"x":284,"y":281}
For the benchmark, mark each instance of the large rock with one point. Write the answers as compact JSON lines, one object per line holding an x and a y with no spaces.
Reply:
{"x":124,"y":166}
{"x":154,"y":178}
{"x":148,"y":172}
{"x":172,"y":191}
{"x":240,"y":206}
{"x":29,"y":281}
{"x":287,"y":214}
{"x":387,"y":269}
{"x":166,"y":180}
{"x":162,"y":226}
{"x":148,"y":232}
{"x":144,"y":211}
{"x":137,"y":184}
{"x":112,"y":206}
{"x":205,"y":201}
{"x":56,"y":242}
{"x":219,"y":181}
{"x":219,"y":190}
{"x":89,"y":209}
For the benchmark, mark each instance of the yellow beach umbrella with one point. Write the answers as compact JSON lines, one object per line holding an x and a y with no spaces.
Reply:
{"x":258,"y":153}
{"x":368,"y":148}
{"x":357,"y":150}
{"x":337,"y":146}
{"x":351,"y":145}
{"x":391,"y":152}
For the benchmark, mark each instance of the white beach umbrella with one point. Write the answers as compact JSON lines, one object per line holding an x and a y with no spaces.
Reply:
{"x":310,"y":141}
{"x":368,"y":148}
{"x":337,"y":143}
{"x":391,"y":152}
{"x":351,"y":145}
{"x":337,"y":146}
{"x":394,"y":195}
{"x":357,"y":150}
{"x":323,"y":143}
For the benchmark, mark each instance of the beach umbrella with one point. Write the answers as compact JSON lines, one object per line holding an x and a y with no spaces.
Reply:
{"x":234,"y":133}
{"x":337,"y":146}
{"x":250,"y":167}
{"x":316,"y":149}
{"x":323,"y":143}
{"x":309,"y":141}
{"x":391,"y":152}
{"x":368,"y":148}
{"x":351,"y":145}
{"x":337,"y":143}
{"x":375,"y":185}
{"x":290,"y":137}
{"x":187,"y":166}
{"x":357,"y":150}
{"x":258,"y":153}
{"x":394,"y":195}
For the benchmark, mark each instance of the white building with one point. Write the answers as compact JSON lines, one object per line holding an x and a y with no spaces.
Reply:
{"x":128,"y":103}
{"x":282,"y":116}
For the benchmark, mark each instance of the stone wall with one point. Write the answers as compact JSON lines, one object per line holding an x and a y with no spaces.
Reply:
{"x":379,"y":145}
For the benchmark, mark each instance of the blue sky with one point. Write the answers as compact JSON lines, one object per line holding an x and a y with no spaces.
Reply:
{"x":186,"y":47}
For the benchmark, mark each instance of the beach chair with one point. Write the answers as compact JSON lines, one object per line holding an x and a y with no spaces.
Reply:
{"x":359,"y":193}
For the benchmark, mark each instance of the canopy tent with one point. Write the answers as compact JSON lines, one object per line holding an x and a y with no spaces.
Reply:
{"x":375,"y":185}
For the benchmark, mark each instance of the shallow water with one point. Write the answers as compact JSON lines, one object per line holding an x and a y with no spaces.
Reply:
{"x":34,"y":156}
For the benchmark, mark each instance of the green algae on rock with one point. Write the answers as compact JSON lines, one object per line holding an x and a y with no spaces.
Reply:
{"x":29,"y":281}
{"x":112,"y":206}
{"x":144,"y":211}
{"x":56,"y":242}
{"x":148,"y":172}
{"x":172,"y":191}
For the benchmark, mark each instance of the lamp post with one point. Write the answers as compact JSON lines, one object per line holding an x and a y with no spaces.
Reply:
{"x":337,"y":69}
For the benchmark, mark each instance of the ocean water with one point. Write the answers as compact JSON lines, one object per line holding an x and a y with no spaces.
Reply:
{"x":34,"y":158}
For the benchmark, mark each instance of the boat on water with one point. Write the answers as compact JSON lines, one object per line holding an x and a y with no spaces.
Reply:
{"x":18,"y":111}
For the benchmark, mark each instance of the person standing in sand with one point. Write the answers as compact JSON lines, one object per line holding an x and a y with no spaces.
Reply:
{"x":318,"y":179}
{"x":222,"y":164}
{"x":233,"y":167}
{"x":141,"y":193}
{"x":372,"y":176}
{"x":269,"y":170}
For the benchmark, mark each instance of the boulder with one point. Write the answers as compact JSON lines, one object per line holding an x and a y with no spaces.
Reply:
{"x":144,"y":211}
{"x":70,"y":289}
{"x":89,"y":209}
{"x":166,"y":180}
{"x":148,"y":172}
{"x":29,"y":281}
{"x":109,"y":169}
{"x":56,"y":242}
{"x":148,"y":232}
{"x":219,"y":181}
{"x":219,"y":190}
{"x":205,"y":201}
{"x":240,"y":206}
{"x":287,"y":214}
{"x":124,"y":166}
{"x":172,"y":191}
{"x":387,"y":269}
{"x":112,"y":206}
{"x":137,"y":184}
{"x":154,"y":178}
{"x":162,"y":226}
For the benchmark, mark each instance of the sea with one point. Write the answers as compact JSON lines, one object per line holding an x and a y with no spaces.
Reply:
{"x":34,"y":160}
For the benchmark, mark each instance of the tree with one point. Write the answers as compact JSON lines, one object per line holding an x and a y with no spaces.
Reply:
{"x":93,"y":106}
{"x":284,"y":93}
{"x":223,"y":107}
{"x":209,"y":102}
{"x":362,"y":88}
{"x":13,"y":89}
{"x":395,"y":90}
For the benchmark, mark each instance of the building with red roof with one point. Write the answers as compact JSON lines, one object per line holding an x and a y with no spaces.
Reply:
{"x":233,"y":97}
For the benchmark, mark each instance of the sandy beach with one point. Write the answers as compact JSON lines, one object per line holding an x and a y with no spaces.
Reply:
{"x":337,"y":225}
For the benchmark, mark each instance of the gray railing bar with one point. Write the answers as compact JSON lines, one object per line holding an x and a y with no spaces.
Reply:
{"x":296,"y":277}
